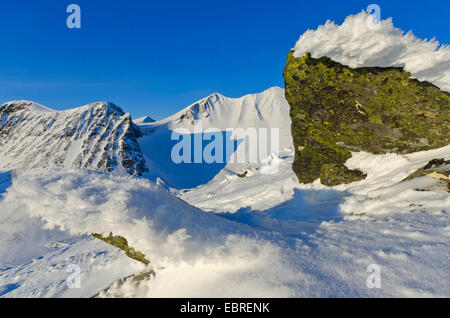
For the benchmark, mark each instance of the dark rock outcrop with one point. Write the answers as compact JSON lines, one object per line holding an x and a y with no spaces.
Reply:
{"x":438,"y":169}
{"x":336,"y":109}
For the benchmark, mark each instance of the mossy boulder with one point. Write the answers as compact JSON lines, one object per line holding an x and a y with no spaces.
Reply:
{"x":336,"y":109}
{"x":332,"y":173}
{"x":122,"y":243}
{"x":242,"y":175}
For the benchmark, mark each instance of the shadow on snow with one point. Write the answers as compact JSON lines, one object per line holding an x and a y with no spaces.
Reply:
{"x":295,"y":218}
{"x":5,"y":182}
{"x":157,"y":148}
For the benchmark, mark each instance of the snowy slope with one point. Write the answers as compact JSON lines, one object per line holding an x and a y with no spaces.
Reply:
{"x":216,"y":112}
{"x":317,"y":244}
{"x":410,"y":248}
{"x":48,"y":274}
{"x":98,"y":136}
{"x":44,"y":218}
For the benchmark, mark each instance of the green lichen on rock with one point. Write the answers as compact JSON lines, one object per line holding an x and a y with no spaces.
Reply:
{"x":242,"y":175}
{"x":122,"y":243}
{"x":336,"y":109}
{"x":331,"y":174}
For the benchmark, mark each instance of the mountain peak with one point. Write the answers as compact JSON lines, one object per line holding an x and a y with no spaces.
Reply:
{"x":144,"y":120}
{"x":17,"y":105}
{"x":108,"y":106}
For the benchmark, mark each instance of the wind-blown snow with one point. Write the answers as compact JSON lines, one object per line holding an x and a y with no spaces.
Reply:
{"x":356,"y":44}
{"x":35,"y":255}
{"x":401,"y":226}
{"x":89,"y":202}
{"x":61,"y":205}
{"x":319,"y":243}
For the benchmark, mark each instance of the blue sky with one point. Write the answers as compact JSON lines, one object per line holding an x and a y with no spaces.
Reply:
{"x":156,"y":57}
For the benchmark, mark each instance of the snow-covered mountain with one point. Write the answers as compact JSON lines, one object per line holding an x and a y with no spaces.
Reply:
{"x":100,"y":136}
{"x":97,"y":136}
{"x":268,"y":109}
{"x":144,"y":120}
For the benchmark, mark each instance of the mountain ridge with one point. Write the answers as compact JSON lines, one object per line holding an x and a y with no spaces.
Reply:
{"x":98,"y":136}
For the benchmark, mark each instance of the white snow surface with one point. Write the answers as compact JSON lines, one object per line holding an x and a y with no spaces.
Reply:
{"x":48,"y":274}
{"x":225,"y":236}
{"x":258,"y":236}
{"x":319,"y":243}
{"x":356,"y":44}
{"x":323,"y":238}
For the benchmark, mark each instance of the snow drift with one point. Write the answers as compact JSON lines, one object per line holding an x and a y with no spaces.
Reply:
{"x":356,"y":44}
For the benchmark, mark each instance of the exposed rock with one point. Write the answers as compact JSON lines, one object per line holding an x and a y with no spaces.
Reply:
{"x":242,"y":175}
{"x":332,"y":174}
{"x":122,"y":243}
{"x":438,"y":169}
{"x":336,"y":109}
{"x":436,"y":163}
{"x":135,"y":281}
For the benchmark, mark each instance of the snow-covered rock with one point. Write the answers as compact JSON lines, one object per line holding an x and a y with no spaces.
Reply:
{"x":359,"y":43}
